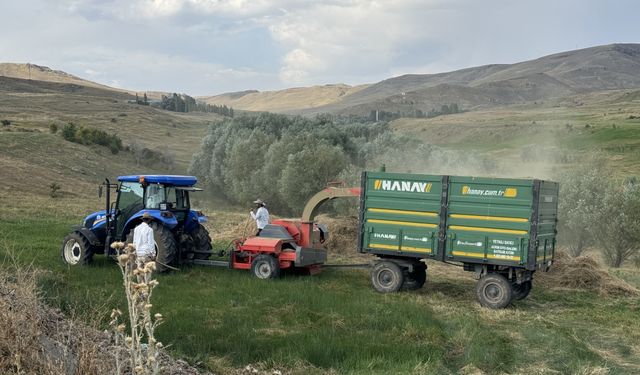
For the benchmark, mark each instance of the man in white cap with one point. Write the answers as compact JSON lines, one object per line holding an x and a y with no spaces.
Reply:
{"x":260,"y":215}
{"x":143,"y":241}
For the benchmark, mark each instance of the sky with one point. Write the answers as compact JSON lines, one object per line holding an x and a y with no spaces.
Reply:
{"x":203,"y":47}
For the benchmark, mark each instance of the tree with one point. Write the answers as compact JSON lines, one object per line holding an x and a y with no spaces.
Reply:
{"x":145,"y":100}
{"x":582,"y":191}
{"x":618,"y":227}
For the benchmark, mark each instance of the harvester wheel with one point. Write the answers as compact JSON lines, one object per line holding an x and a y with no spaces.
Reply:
{"x":521,"y":291}
{"x":415,"y":279}
{"x":76,"y":250}
{"x":494,"y":291}
{"x":202,"y":242}
{"x":166,"y":248}
{"x":386,"y":277}
{"x":265,"y":267}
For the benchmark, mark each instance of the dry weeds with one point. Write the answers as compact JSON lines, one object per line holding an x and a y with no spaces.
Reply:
{"x":584,"y":272}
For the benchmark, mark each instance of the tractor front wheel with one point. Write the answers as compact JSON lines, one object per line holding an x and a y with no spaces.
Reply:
{"x":76,"y":250}
{"x":166,"y":247}
{"x":265,"y":267}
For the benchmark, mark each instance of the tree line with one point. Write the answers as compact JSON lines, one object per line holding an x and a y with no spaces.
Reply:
{"x":186,"y":103}
{"x":285,"y":160}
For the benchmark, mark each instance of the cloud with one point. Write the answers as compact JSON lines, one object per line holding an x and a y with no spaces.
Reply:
{"x":212,"y":46}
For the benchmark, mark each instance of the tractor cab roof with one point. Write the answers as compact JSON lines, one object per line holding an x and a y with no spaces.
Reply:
{"x":161,"y":179}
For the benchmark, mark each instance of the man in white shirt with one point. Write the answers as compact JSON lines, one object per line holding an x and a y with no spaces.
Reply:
{"x":260,"y":215}
{"x":143,"y":241}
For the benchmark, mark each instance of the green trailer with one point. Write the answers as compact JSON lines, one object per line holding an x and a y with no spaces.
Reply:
{"x":502,"y":230}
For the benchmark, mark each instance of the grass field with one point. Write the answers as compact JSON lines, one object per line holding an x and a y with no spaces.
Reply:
{"x":335,"y":322}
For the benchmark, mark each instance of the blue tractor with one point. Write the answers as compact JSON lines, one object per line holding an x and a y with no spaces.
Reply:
{"x":178,"y":230}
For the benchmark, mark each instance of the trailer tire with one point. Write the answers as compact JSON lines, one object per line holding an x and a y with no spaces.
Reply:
{"x":386,"y":277}
{"x":416,"y":279}
{"x":494,"y":291}
{"x":265,"y":267}
{"x":521,"y":291}
{"x":76,"y":250}
{"x":166,"y":247}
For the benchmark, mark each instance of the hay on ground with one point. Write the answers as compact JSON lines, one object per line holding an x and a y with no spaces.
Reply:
{"x":584,"y":272}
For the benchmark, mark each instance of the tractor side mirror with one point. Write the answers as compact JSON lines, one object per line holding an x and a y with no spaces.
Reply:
{"x":100,"y":191}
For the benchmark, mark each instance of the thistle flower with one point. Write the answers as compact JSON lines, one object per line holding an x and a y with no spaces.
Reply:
{"x":117,"y":245}
{"x":158,"y":316}
{"x":138,"y":369}
{"x":159,"y":345}
{"x":153,"y":283}
{"x":148,"y":306}
{"x":128,"y":341}
{"x":115,"y":313}
{"x":151,"y":266}
{"x":121,"y":328}
{"x":123,"y":259}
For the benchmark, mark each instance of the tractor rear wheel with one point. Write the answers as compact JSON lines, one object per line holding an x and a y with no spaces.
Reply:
{"x":494,"y":291}
{"x":202,"y":242}
{"x":76,"y":250}
{"x":166,"y":247}
{"x":521,"y":291}
{"x":415,"y":279}
{"x":386,"y":277}
{"x":265,"y":267}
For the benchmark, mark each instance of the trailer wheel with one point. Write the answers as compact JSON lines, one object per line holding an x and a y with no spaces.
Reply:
{"x":386,"y":277}
{"x":76,"y":250}
{"x":521,"y":291}
{"x":416,"y":279}
{"x":265,"y":267}
{"x":494,"y":291}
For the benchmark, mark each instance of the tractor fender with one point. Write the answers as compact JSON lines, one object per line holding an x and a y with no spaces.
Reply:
{"x":89,"y":235}
{"x":168,"y":222}
{"x":194,"y":218}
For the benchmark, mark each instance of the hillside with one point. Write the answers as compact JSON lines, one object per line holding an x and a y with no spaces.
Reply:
{"x":286,"y":101}
{"x":608,"y":67}
{"x":35,"y":72}
{"x":29,"y":152}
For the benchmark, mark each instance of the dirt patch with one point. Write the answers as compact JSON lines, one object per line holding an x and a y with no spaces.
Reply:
{"x":584,"y":272}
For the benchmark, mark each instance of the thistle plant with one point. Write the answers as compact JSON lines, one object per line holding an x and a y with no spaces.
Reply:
{"x":138,"y":284}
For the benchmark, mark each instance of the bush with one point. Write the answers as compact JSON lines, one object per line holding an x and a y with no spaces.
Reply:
{"x":53,"y":190}
{"x":617,"y":230}
{"x":53,"y":128}
{"x":5,"y":122}
{"x":88,"y":136}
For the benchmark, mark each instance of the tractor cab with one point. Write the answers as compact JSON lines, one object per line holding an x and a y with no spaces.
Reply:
{"x":166,"y":198}
{"x":178,"y":230}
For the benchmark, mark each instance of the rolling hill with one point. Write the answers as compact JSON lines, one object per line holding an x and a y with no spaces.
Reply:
{"x":608,"y":67}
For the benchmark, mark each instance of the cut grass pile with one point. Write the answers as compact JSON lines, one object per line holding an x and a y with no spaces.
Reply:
{"x":334,"y":322}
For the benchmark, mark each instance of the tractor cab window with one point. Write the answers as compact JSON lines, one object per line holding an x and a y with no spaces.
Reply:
{"x":129,"y":202}
{"x":161,"y":197}
{"x":155,"y":196}
{"x":130,"y":195}
{"x":176,"y":198}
